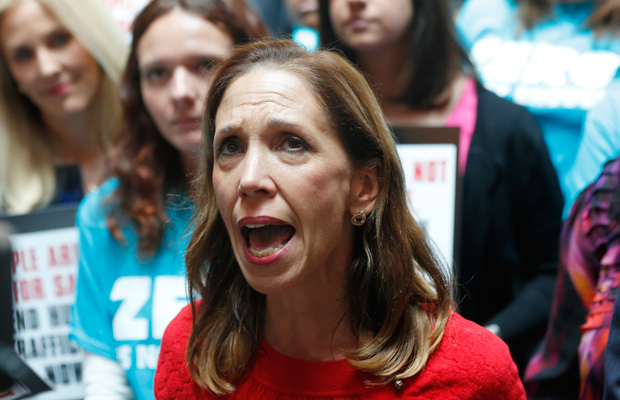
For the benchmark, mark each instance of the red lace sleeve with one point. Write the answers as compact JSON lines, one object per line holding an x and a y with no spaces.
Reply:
{"x":172,"y":378}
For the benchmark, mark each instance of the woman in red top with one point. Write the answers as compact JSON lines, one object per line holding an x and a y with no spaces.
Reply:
{"x":319,"y":281}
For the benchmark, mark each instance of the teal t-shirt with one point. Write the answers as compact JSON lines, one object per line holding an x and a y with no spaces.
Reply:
{"x":124,"y":303}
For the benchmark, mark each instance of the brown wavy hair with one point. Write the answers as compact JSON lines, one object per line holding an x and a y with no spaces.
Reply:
{"x":605,"y":17}
{"x":437,"y":56}
{"x":147,"y":166}
{"x":399,"y":294}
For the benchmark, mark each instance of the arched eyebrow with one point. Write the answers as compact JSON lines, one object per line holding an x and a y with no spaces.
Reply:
{"x":165,"y":61}
{"x":279,"y":123}
{"x":227,"y":129}
{"x":59,"y":30}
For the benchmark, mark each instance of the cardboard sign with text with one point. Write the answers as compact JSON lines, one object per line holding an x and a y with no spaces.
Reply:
{"x":44,"y":272}
{"x":429,"y":157}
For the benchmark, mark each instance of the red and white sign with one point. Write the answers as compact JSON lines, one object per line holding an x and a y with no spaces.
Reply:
{"x":44,"y":275}
{"x":431,"y":181}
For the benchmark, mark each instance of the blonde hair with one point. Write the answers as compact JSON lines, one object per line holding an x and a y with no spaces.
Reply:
{"x":399,"y":294}
{"x":27,"y":179}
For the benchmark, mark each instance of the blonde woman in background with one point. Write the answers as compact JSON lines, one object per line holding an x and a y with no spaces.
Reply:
{"x":60,"y":63}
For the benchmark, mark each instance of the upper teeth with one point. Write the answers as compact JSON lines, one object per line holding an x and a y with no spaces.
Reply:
{"x":253,"y":226}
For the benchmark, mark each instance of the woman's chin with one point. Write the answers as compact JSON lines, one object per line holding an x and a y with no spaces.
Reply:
{"x":269,"y":273}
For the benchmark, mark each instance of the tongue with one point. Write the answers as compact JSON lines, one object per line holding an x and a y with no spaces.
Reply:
{"x":270,"y":236}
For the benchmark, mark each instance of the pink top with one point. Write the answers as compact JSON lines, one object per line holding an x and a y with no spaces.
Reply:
{"x":464,"y":116}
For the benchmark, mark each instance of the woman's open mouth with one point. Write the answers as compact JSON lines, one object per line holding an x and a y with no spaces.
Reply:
{"x":263,"y":240}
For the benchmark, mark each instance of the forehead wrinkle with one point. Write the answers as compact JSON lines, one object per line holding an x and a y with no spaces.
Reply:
{"x":267,"y":97}
{"x":270,"y":98}
{"x":266,"y":90}
{"x":258,"y":102}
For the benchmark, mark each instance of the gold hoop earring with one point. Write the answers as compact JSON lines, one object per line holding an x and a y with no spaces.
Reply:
{"x":358,"y":218}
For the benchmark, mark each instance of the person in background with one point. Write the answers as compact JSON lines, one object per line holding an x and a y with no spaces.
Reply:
{"x":315,"y":280}
{"x":600,"y":142}
{"x":511,"y":201}
{"x":562,"y":359}
{"x":305,"y":12}
{"x":132,"y":230}
{"x":556,"y":57}
{"x":612,"y":356}
{"x":570,"y":364}
{"x":275,"y":15}
{"x":60,"y":63}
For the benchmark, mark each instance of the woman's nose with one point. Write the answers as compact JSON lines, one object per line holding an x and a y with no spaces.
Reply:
{"x":255,"y":179}
{"x":182,"y":87}
{"x":47,"y":63}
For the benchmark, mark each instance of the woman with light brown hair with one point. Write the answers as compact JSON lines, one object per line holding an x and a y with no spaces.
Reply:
{"x":314,"y":278}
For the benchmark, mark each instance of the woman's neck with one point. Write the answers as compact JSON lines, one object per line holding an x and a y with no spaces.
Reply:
{"x":389,"y":72}
{"x":75,"y":140}
{"x":310,"y":324}
{"x":399,"y":114}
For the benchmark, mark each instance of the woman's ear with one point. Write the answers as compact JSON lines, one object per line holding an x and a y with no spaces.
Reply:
{"x":365,"y":188}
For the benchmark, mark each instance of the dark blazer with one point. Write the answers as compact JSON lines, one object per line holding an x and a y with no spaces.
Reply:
{"x":511,"y":220}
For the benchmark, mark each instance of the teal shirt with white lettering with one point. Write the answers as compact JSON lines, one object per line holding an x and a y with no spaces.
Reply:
{"x":559,"y":70}
{"x":124,"y":302}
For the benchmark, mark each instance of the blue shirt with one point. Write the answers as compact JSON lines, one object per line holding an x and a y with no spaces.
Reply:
{"x":124,"y":301}
{"x":558,"y":69}
{"x":600,"y":143}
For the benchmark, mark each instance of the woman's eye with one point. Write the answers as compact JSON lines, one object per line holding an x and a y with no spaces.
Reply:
{"x":206,"y":65}
{"x":59,"y":39}
{"x":228,"y":147}
{"x":155,"y":74}
{"x":22,"y":54}
{"x":293,"y":143}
